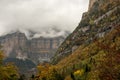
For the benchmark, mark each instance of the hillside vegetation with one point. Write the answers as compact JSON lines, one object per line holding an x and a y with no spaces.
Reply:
{"x":92,"y":51}
{"x":8,"y":71}
{"x":95,"y":23}
{"x":97,"y":61}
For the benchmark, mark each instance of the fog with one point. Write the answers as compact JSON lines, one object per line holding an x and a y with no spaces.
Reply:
{"x":42,"y":17}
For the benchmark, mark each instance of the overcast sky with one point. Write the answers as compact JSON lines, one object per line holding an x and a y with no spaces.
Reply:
{"x":40,"y":15}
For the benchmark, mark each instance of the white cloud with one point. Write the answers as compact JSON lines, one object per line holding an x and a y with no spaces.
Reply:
{"x":39,"y":15}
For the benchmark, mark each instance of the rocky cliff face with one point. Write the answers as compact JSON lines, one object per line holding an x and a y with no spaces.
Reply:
{"x":16,"y":45}
{"x":96,"y":23}
{"x":92,"y":51}
{"x":91,"y":2}
{"x":43,"y":49}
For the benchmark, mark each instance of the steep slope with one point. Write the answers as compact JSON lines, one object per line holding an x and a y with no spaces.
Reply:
{"x":97,"y":61}
{"x":92,"y":51}
{"x":97,"y":22}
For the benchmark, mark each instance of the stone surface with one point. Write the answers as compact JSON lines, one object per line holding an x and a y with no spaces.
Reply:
{"x":91,"y":2}
{"x":16,"y":45}
{"x":94,"y":24}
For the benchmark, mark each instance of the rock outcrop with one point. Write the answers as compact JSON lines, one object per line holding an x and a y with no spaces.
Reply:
{"x":100,"y":19}
{"x":91,"y":2}
{"x":16,"y":45}
{"x":92,"y":51}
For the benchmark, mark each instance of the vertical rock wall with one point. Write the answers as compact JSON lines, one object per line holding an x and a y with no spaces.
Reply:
{"x":16,"y":45}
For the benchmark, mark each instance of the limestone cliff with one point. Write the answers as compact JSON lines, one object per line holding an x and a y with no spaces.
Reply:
{"x":16,"y":45}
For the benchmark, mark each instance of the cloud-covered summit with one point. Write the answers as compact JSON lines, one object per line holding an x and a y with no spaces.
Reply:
{"x":40,"y":15}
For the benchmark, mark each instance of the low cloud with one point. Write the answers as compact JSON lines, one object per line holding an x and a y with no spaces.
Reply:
{"x":40,"y":16}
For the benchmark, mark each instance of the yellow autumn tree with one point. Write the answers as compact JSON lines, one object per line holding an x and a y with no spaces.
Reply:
{"x":48,"y":72}
{"x":8,"y":71}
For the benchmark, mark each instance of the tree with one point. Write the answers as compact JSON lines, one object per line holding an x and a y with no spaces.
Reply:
{"x":8,"y":71}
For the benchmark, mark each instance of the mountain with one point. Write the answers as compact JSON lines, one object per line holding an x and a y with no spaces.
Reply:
{"x":92,"y":50}
{"x":95,"y":24}
{"x":38,"y":50}
{"x":27,"y":53}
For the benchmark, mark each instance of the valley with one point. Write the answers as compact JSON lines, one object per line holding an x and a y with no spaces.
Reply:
{"x":90,"y":52}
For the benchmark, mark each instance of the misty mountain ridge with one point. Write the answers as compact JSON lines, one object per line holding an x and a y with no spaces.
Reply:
{"x":51,"y":32}
{"x":90,"y":52}
{"x":18,"y":48}
{"x":17,"y":45}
